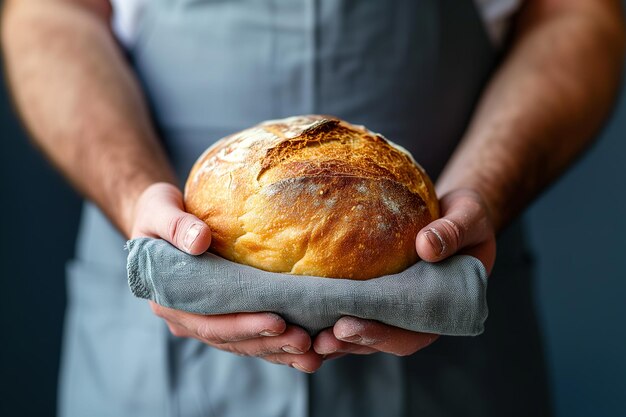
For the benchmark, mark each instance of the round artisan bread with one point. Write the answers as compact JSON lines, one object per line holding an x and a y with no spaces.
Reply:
{"x":312,"y":195}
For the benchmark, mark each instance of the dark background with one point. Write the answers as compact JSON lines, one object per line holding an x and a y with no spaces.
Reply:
{"x":38,"y":223}
{"x":578,"y":229}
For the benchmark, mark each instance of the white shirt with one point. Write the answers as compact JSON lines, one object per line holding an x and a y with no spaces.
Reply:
{"x":495,"y":13}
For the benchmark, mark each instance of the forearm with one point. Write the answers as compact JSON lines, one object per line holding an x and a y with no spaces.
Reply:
{"x":543,"y":106}
{"x":81,"y":103}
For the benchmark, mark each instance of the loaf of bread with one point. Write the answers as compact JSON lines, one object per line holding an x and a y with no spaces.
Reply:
{"x":312,"y":195}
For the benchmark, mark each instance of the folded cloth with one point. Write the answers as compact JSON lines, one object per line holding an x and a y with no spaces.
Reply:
{"x":447,"y":297}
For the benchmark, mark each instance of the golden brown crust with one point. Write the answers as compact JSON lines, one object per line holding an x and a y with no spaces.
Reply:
{"x":312,"y":195}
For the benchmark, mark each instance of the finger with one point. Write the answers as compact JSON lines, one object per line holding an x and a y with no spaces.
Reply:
{"x":236,"y":327}
{"x":465,"y":223}
{"x":380,"y":336}
{"x":161,"y":214}
{"x":227,"y":328}
{"x":294,"y":340}
{"x":308,"y":362}
{"x":327,"y":344}
{"x":459,"y":227}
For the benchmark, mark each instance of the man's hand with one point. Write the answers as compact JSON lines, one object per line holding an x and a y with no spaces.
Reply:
{"x":465,"y":227}
{"x":159,"y":213}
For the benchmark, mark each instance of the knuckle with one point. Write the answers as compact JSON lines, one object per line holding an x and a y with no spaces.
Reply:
{"x":206,"y":332}
{"x":175,"y":229}
{"x":234,"y":349}
{"x":474,"y":206}
{"x":453,"y":231}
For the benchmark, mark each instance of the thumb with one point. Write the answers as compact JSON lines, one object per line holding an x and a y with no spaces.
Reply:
{"x":160,"y":214}
{"x":465,"y":224}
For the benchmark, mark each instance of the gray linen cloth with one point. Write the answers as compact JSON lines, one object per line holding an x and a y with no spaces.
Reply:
{"x":447,"y":298}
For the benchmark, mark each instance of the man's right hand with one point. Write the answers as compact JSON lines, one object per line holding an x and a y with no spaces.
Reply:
{"x":159,"y":213}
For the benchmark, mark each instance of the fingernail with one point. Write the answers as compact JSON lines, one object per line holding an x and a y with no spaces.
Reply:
{"x":352,"y":339}
{"x":300,"y":368}
{"x":435,"y":240}
{"x":192,"y":235}
{"x":291,"y":349}
{"x":268,"y":333}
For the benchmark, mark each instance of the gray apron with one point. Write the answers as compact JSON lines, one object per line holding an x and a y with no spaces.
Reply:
{"x":411,"y":70}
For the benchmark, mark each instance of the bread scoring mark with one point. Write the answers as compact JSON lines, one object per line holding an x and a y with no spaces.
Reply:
{"x":321,"y":131}
{"x":233,"y":151}
{"x":349,"y":150}
{"x":292,"y":127}
{"x":237,"y":149}
{"x":230,"y":185}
